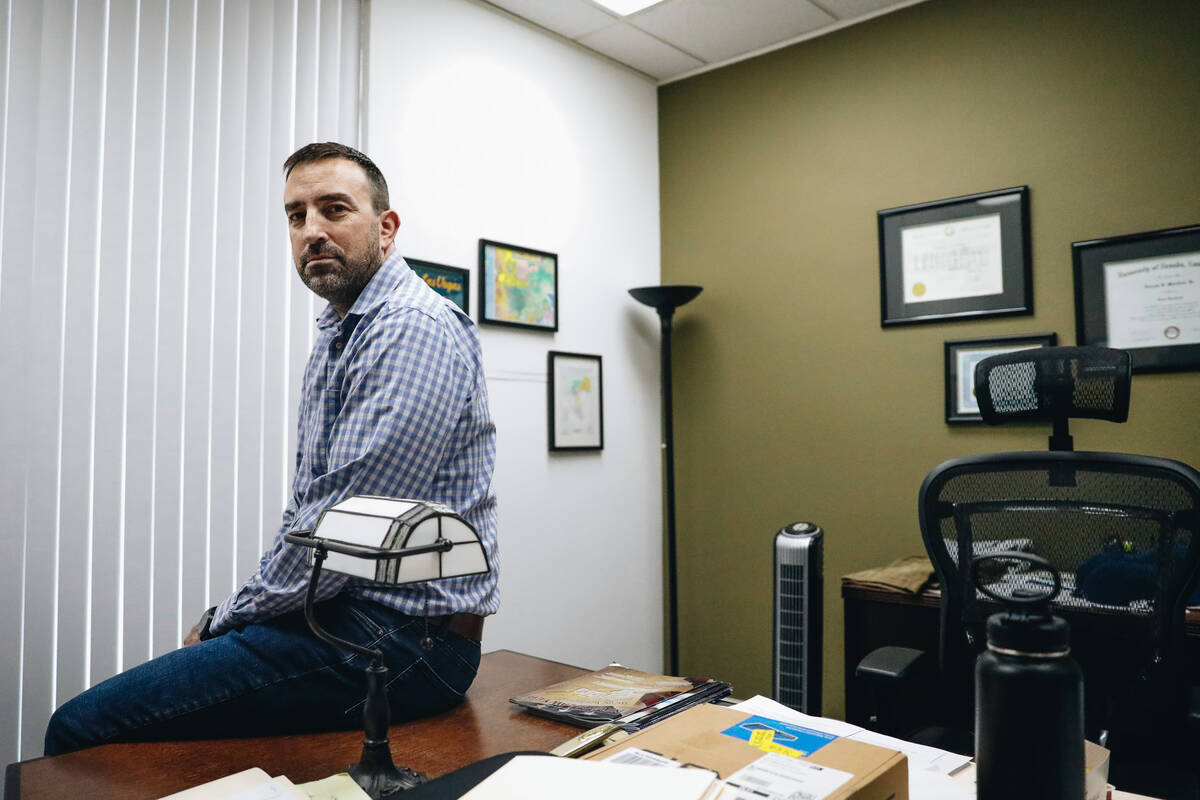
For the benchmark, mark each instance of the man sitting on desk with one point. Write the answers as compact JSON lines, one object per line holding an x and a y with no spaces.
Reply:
{"x":393,"y":404}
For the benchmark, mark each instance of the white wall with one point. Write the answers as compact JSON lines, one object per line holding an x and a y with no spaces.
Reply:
{"x":488,"y":128}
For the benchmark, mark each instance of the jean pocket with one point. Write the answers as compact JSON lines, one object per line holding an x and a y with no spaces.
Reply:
{"x":453,"y":664}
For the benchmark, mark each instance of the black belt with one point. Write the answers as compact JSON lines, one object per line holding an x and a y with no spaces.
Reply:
{"x":465,"y":624}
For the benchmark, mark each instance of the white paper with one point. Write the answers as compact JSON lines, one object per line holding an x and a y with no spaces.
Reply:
{"x":920,"y":757}
{"x":1151,"y":302}
{"x":926,"y":785}
{"x":645,"y":758}
{"x":953,"y":259}
{"x":779,"y":777}
{"x":275,"y":789}
{"x":549,"y":778}
{"x":250,"y":784}
{"x":767,"y":707}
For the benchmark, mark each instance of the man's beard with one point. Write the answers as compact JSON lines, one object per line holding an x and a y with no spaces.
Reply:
{"x":340,"y":285}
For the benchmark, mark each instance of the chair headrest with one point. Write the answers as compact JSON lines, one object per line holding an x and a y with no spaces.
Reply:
{"x":1049,"y":383}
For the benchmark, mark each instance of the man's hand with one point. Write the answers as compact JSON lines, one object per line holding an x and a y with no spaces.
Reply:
{"x":199,"y":631}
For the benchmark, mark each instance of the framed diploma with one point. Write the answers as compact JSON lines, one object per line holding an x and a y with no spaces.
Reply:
{"x":962,"y":257}
{"x":962,"y":356}
{"x":1141,"y":293}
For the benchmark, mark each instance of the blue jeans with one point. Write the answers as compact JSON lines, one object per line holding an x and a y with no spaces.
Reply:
{"x":271,"y":678}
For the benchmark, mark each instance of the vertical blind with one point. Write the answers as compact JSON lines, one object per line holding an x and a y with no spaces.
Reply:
{"x":152,"y":329}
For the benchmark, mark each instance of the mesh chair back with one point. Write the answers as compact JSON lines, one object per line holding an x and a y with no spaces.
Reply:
{"x":1124,"y":536}
{"x":1048,"y":383}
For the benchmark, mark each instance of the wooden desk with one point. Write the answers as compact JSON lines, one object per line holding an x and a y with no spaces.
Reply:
{"x":486,"y":724}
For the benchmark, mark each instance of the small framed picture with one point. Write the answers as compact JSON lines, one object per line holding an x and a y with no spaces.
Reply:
{"x":962,"y":257}
{"x":576,"y":401}
{"x":1141,"y":293}
{"x":962,"y":356}
{"x":450,"y":282}
{"x":518,"y":286}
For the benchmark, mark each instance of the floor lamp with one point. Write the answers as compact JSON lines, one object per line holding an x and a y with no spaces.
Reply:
{"x":664,"y":300}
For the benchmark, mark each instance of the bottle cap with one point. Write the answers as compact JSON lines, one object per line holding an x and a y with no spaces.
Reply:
{"x":1029,"y":634}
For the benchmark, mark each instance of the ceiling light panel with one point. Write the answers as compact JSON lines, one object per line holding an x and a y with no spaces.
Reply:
{"x":626,"y":7}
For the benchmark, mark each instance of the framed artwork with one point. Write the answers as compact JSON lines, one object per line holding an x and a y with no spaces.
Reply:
{"x":1141,"y":293}
{"x":450,"y":282}
{"x":518,"y":286}
{"x":575,"y":384}
{"x":962,"y":356}
{"x":962,"y":257}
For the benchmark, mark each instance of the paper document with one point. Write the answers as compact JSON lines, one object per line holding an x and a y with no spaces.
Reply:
{"x":920,"y":757}
{"x":335,"y":787}
{"x":250,"y":784}
{"x":550,"y":778}
{"x":778,"y":777}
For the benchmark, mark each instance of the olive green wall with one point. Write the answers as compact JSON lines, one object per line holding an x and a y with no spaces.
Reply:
{"x":791,"y":401}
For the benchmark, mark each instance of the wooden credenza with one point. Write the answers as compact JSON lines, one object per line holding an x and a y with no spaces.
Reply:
{"x":877,"y":617}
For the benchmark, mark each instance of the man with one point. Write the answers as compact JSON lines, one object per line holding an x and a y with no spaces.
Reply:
{"x":394,"y":404}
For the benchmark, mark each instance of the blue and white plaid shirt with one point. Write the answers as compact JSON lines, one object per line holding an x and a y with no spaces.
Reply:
{"x":394,"y":404}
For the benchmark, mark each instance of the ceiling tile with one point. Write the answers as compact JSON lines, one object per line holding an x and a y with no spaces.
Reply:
{"x":639,"y":50}
{"x":717,"y":29}
{"x":849,"y":9}
{"x":569,"y":18}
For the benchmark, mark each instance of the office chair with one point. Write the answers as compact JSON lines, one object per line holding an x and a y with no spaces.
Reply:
{"x":1123,"y":533}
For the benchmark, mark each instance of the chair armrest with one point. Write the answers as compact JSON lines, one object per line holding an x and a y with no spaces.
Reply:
{"x":891,"y":664}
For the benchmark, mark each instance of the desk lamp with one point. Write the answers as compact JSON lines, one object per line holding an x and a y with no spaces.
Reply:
{"x":390,"y":542}
{"x":664,"y":300}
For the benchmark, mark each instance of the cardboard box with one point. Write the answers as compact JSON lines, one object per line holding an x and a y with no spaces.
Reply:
{"x":727,"y":741}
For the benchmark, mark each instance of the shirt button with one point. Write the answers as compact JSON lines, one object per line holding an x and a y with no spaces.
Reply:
{"x":337,"y":345}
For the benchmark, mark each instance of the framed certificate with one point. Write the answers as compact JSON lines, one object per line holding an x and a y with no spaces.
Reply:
{"x":1141,"y":293}
{"x":962,"y":356}
{"x":962,"y":257}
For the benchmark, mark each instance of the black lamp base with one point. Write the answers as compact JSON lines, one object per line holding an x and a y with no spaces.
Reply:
{"x":378,"y":775}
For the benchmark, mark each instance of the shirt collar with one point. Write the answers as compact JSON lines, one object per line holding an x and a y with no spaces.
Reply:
{"x":385,"y":280}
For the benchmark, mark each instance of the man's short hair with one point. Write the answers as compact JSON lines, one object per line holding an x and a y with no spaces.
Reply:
{"x":319,"y":151}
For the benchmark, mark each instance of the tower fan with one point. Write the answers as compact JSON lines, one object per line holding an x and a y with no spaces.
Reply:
{"x":796,"y":656}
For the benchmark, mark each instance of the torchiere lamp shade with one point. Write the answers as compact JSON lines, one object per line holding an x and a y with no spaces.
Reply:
{"x":665,"y":297}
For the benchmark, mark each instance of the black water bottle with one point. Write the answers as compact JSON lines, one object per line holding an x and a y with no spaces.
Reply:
{"x":1028,"y":697}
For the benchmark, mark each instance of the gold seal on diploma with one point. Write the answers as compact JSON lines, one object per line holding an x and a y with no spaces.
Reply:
{"x":918,"y":289}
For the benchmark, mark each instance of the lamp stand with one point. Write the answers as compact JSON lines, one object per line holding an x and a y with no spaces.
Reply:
{"x":664,"y":300}
{"x":375,"y":771}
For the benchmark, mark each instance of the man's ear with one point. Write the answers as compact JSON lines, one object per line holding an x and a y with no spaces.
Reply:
{"x":389,"y":223}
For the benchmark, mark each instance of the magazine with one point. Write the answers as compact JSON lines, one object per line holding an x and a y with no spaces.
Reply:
{"x":613,"y":692}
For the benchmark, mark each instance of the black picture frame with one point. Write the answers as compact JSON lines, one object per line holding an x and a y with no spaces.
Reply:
{"x":518,"y":286}
{"x":986,"y":227}
{"x":961,"y":357}
{"x":574,"y":401}
{"x":1155,"y":278}
{"x":453,"y":283}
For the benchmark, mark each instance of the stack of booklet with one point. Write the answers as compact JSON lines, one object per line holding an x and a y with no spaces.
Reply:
{"x":625,"y":697}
